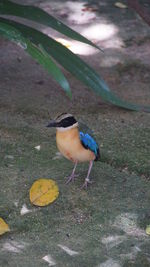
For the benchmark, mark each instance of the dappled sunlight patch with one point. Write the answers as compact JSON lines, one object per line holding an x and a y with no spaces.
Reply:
{"x":113,"y":240}
{"x":14,"y":246}
{"x":109,"y":263}
{"x":80,"y":14}
{"x":68,"y":250}
{"x":77,"y":13}
{"x":64,"y":42}
{"x":128,"y":223}
{"x":100,"y":31}
{"x":77,"y":47}
{"x":113,"y":44}
{"x":106,"y":33}
{"x":48,"y":258}
{"x":131,"y":255}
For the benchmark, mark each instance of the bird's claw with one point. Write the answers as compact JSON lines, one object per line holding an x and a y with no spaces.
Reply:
{"x":85,"y":185}
{"x":71,"y":178}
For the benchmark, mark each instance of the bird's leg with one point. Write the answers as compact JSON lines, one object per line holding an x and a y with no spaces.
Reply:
{"x":87,"y":180}
{"x":72,"y":176}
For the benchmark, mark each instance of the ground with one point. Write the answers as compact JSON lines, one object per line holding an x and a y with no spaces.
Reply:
{"x":103,"y":226}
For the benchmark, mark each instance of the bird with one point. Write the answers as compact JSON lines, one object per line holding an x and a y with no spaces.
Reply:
{"x":75,"y":145}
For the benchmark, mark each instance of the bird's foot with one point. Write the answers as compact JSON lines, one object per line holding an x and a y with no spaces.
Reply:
{"x":86,"y":182}
{"x":71,"y":178}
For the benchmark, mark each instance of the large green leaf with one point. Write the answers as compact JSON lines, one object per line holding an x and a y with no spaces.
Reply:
{"x":38,"y":15}
{"x":73,"y":64}
{"x":37,"y":53}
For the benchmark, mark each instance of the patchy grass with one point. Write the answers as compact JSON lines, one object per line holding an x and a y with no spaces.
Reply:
{"x":128,"y":150}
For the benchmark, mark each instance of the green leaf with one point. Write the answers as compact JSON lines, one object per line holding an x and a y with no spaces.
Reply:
{"x":44,"y":59}
{"x":12,"y":33}
{"x":37,"y":53}
{"x":38,"y":15}
{"x":74,"y":65}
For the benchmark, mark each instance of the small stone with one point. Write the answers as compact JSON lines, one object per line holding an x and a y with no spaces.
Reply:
{"x":38,"y":148}
{"x":41,"y":82}
{"x":19,"y":59}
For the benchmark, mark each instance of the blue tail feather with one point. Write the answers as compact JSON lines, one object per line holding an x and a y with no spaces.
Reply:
{"x":89,"y":143}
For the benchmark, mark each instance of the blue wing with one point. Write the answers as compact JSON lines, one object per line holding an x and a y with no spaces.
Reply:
{"x":89,"y":143}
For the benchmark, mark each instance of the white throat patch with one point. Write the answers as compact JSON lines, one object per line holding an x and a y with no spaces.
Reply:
{"x":63,"y":129}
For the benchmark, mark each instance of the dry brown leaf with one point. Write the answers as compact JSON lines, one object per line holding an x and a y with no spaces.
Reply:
{"x":89,"y":9}
{"x":120,"y":5}
{"x":3,"y":227}
{"x":43,"y":192}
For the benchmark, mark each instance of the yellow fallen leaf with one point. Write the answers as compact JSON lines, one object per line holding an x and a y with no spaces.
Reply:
{"x":3,"y":227}
{"x":148,"y":230}
{"x":120,"y":5}
{"x":43,"y":192}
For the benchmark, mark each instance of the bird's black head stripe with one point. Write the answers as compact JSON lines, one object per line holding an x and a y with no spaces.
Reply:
{"x":69,"y":121}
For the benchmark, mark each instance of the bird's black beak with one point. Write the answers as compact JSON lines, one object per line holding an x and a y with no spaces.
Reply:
{"x":52,"y":124}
